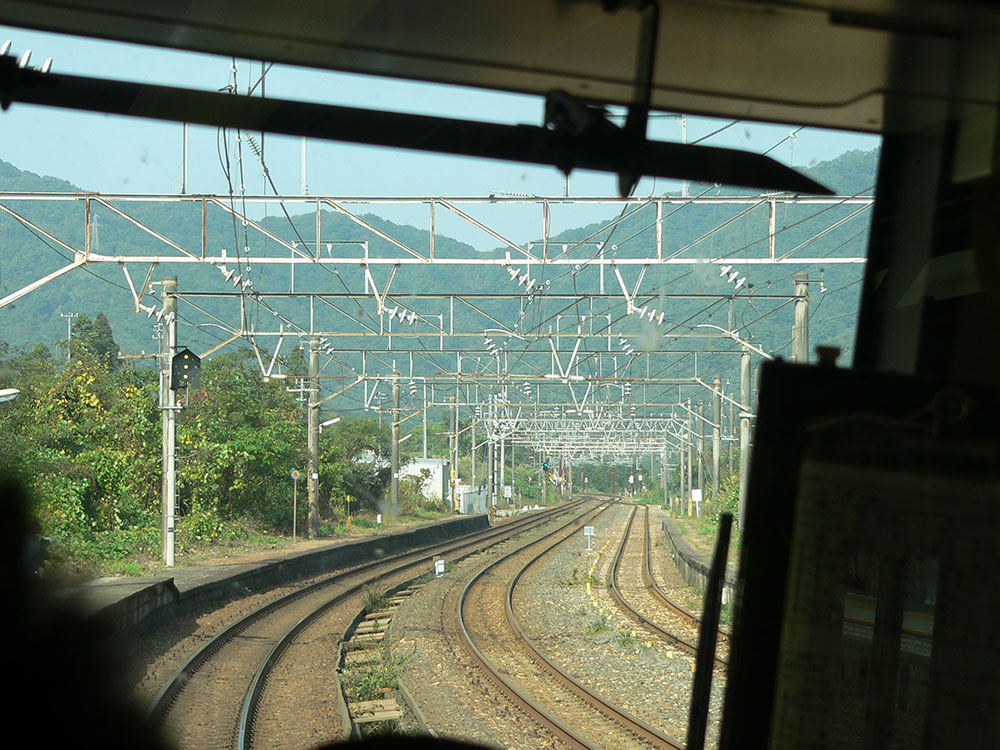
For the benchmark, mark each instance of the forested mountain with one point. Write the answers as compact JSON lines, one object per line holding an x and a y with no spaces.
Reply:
{"x":102,"y":288}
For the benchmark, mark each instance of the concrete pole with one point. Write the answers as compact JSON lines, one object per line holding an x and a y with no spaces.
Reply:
{"x":680,"y":477}
{"x":663,"y":478}
{"x":473,"y":450}
{"x":312,"y":480}
{"x":716,"y":434}
{"x":454,"y":451}
{"x":425,"y":420}
{"x":701,"y":447}
{"x":184,"y":161}
{"x":491,"y":471}
{"x":569,"y":483}
{"x":503,"y":459}
{"x":394,"y":484}
{"x":690,"y":458}
{"x":800,"y":331}
{"x":168,"y":404}
{"x":744,"y":433}
{"x":545,"y":482}
{"x":732,"y":433}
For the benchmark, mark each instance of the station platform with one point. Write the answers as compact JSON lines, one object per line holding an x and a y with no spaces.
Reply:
{"x":135,"y":604}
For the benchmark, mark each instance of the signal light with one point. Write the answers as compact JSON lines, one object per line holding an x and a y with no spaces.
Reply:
{"x":185,"y":370}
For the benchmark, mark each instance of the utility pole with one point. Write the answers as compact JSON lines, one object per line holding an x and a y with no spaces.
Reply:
{"x":612,"y":479}
{"x":312,"y":481}
{"x":701,"y":448}
{"x":732,"y":434}
{"x":472,"y":451}
{"x":800,"y":331}
{"x":716,"y":434}
{"x":680,"y":477}
{"x":503,"y":459}
{"x":663,"y":477}
{"x":744,"y":432}
{"x":454,"y":451}
{"x":493,"y":453}
{"x":690,"y":459}
{"x":69,"y":333}
{"x":569,"y":483}
{"x":168,"y":406}
{"x":425,"y":420}
{"x":394,"y":485}
{"x":305,"y":185}
{"x":184,"y":161}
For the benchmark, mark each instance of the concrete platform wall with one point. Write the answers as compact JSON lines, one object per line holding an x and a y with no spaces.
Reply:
{"x":694,"y":566}
{"x":135,"y":605}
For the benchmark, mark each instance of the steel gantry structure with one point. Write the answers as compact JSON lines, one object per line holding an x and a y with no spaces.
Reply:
{"x":577,"y":345}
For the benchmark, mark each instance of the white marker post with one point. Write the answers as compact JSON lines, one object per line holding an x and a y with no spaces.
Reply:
{"x":295,"y":497}
{"x":696,"y":497}
{"x":588,"y":531}
{"x":438,"y":568}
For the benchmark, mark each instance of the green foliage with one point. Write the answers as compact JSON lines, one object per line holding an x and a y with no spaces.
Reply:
{"x":87,"y":440}
{"x":367,"y":682}
{"x":374,"y":598}
{"x":600,"y":625}
{"x":626,"y":639}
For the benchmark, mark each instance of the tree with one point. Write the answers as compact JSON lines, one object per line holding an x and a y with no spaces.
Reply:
{"x":102,"y":342}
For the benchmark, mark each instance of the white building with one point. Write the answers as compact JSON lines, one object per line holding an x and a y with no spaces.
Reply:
{"x":435,"y":473}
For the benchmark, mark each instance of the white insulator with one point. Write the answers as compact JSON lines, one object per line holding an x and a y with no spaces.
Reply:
{"x":652,"y":314}
{"x":741,"y":282}
{"x":733,"y":276}
{"x":401,"y":314}
{"x":227,"y":274}
{"x":659,"y":321}
{"x":411,"y":317}
{"x":723,"y":270}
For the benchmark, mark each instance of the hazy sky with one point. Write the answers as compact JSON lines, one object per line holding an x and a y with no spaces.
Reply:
{"x":116,"y":154}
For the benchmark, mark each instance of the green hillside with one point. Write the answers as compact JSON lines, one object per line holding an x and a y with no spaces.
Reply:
{"x":26,"y":255}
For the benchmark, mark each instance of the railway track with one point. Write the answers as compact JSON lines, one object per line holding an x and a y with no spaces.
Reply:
{"x":643,"y":600}
{"x":497,"y":642}
{"x":215,"y":698}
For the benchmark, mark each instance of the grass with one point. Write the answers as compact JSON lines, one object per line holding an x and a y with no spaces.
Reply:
{"x":374,"y":598}
{"x":368,"y":682}
{"x":627,"y":639}
{"x":600,"y":625}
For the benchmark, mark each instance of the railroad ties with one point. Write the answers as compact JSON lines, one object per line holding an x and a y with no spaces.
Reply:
{"x":363,"y":650}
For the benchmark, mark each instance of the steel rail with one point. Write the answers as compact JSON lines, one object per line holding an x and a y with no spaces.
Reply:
{"x":519,"y":699}
{"x":587,"y":695}
{"x":163,"y":701}
{"x":673,"y":638}
{"x":654,"y":587}
{"x":251,"y":705}
{"x":618,"y":714}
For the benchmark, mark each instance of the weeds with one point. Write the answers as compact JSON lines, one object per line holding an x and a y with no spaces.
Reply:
{"x":573,"y":580}
{"x":600,"y":625}
{"x":374,"y":598}
{"x":369,"y":682}
{"x":627,"y":639}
